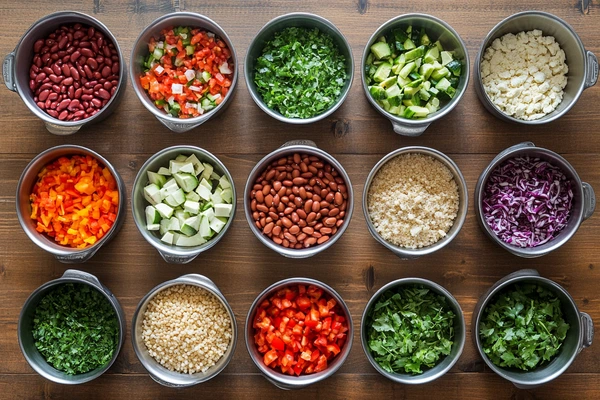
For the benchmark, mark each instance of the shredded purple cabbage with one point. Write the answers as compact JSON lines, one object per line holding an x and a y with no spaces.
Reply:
{"x":527,"y":201}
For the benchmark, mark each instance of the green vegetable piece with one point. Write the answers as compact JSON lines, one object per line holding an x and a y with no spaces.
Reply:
{"x":523,"y":327}
{"x":439,"y":45}
{"x":381,"y":50}
{"x":399,"y":36}
{"x":426,"y":70}
{"x":409,"y":44}
{"x":407,"y":69}
{"x":414,"y":53}
{"x":440,"y":73}
{"x":443,"y":85}
{"x":455,"y":67}
{"x":410,"y":328}
{"x":75,"y":328}
{"x":393,"y":91}
{"x":389,"y":81}
{"x":446,"y":57}
{"x":382,"y":73}
{"x":377,"y":92}
{"x":433,"y":54}
{"x":425,"y":41}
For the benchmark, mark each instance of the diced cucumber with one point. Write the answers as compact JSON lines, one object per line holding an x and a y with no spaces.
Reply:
{"x":393,"y":91}
{"x":193,"y":207}
{"x":167,"y":238}
{"x":198,"y":166}
{"x":153,"y":227}
{"x":394,"y":102}
{"x":424,"y":94}
{"x":152,"y":216}
{"x":455,"y":67}
{"x":402,"y":82}
{"x":388,"y":82}
{"x":385,"y":104}
{"x":217,"y":224}
{"x":223,"y":210}
{"x":424,"y":38}
{"x":433,"y":91}
{"x":431,"y":55}
{"x":174,"y":224}
{"x":446,"y":57}
{"x":416,"y":112}
{"x":409,"y":44}
{"x":383,"y":71}
{"x":416,"y":83}
{"x":410,"y":91}
{"x":426,"y":70}
{"x":186,"y":181}
{"x":164,"y":210}
{"x":191,"y":226}
{"x":440,"y":73}
{"x":164,"y":171}
{"x":176,"y":198}
{"x":439,"y":45}
{"x":193,"y":196}
{"x":377,"y":92}
{"x":443,"y":85}
{"x":414,"y":53}
{"x":152,"y":194}
{"x":381,"y":50}
{"x":407,"y":69}
{"x":208,"y":170}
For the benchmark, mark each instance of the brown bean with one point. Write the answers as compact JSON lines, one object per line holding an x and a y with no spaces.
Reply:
{"x":322,"y":239}
{"x":308,"y":230}
{"x":316,"y":206}
{"x":295,"y":229}
{"x":334,"y":211}
{"x":308,"y":206}
{"x":259,"y":197}
{"x":276,"y":230}
{"x":311,"y":217}
{"x":301,"y":213}
{"x":310,"y":241}
{"x":330,"y":221}
{"x":268,"y":228}
{"x":286,"y":222}
{"x":338,"y":199}
{"x":262,"y":207}
{"x":291,"y":238}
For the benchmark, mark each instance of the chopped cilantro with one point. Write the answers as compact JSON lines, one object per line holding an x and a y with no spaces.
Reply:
{"x":75,"y":328}
{"x":300,"y":73}
{"x":408,"y":328}
{"x":522,"y":327}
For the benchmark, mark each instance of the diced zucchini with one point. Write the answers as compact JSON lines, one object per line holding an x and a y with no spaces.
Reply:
{"x":167,"y":238}
{"x":205,"y":227}
{"x":224,"y":182}
{"x":191,"y":225}
{"x":227,"y":195}
{"x":198,"y":166}
{"x":153,"y":227}
{"x":394,"y":102}
{"x":381,"y":50}
{"x":409,"y":44}
{"x":153,"y":194}
{"x":223,"y":210}
{"x":180,"y":158}
{"x":424,"y":38}
{"x":193,"y":196}
{"x":164,"y":171}
{"x":193,"y":207}
{"x":424,"y":94}
{"x":186,"y":181}
{"x":217,"y":224}
{"x":190,"y":241}
{"x":176,"y":198}
{"x":158,"y":180}
{"x":208,"y":170}
{"x":215,"y":197}
{"x":152,"y":216}
{"x":174,"y":224}
{"x":164,"y":210}
{"x":203,"y":192}
{"x":402,"y":82}
{"x":439,"y":45}
{"x":182,"y":216}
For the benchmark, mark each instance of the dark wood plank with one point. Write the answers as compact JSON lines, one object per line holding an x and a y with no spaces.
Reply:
{"x":358,"y":136}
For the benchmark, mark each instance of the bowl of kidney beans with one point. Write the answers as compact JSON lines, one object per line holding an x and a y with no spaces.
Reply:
{"x":68,"y":69}
{"x":298,"y":200}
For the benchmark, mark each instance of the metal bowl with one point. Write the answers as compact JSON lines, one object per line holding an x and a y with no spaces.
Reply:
{"x":156,"y":371}
{"x":25,"y":185}
{"x":170,"y":253}
{"x":584,"y":199}
{"x":26,"y":341}
{"x":304,"y":20}
{"x":444,"y":365}
{"x":310,"y":148}
{"x":579,"y":336}
{"x":438,"y":30}
{"x":463,"y":204}
{"x":140,"y":51}
{"x":284,"y":381}
{"x":15,"y":69}
{"x":583,"y":65}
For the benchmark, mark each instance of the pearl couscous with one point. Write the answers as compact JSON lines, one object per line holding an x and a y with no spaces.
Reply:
{"x":413,"y":201}
{"x":186,"y":329}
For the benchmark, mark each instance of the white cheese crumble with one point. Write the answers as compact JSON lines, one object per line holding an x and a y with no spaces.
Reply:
{"x":524,"y":74}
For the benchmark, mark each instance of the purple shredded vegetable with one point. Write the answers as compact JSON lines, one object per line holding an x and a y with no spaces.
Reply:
{"x":527,"y":201}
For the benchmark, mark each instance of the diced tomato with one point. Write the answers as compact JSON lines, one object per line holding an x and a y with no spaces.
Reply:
{"x":296,"y":342}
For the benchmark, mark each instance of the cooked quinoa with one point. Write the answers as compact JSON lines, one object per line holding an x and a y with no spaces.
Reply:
{"x":186,"y":329}
{"x":413,"y":200}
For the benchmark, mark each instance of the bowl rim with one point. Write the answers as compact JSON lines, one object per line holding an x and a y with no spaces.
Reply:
{"x":155,"y":242}
{"x":453,"y":303}
{"x":502,"y":157}
{"x":289,"y":381}
{"x":143,"y":96}
{"x":262,"y":165}
{"x":190,"y":280}
{"x":487,"y":297}
{"x":442,"y":111}
{"x":488,"y":38}
{"x":40,"y":239}
{"x":47,"y":287}
{"x":460,"y":183}
{"x":248,"y":75}
{"x":25,"y":92}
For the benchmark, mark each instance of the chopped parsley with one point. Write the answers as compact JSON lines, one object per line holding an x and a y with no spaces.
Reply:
{"x":409,"y":328}
{"x":300,"y":73}
{"x":522,"y":327}
{"x":75,"y":328}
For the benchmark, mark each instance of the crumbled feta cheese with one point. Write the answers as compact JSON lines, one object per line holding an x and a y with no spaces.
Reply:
{"x":177,"y":88}
{"x":524,"y":75}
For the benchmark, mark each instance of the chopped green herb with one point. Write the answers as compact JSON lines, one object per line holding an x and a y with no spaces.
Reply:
{"x":409,"y":328}
{"x":300,"y":73}
{"x":522,"y":327}
{"x":75,"y":328}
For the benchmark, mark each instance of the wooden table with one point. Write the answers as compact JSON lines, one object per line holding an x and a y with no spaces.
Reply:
{"x":356,"y":265}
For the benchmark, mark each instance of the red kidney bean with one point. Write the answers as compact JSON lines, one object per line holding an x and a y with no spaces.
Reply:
{"x":97,"y":103}
{"x":70,"y":91}
{"x":88,"y":72}
{"x":63,"y":115}
{"x":53,"y":96}
{"x":86,"y":52}
{"x":37,"y":46}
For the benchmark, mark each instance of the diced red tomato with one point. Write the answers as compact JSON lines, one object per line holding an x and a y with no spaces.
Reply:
{"x":307,"y":330}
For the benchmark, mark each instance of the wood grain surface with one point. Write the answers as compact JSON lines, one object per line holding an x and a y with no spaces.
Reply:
{"x":356,"y":265}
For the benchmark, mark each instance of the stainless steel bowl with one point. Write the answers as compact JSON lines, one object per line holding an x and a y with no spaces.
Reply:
{"x":170,"y":253}
{"x":463,"y":203}
{"x":436,"y":30}
{"x":26,"y":341}
{"x":304,"y":20}
{"x":583,"y":65}
{"x":284,"y":381}
{"x":444,"y":365}
{"x":156,"y":371}
{"x":140,"y":51}
{"x":579,"y":336}
{"x":310,"y":148}
{"x":15,"y":69}
{"x":584,"y":199}
{"x":25,"y":186}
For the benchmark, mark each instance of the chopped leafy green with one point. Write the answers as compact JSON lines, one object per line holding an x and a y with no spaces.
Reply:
{"x":409,"y":328}
{"x":300,"y":73}
{"x":75,"y":328}
{"x":522,"y":327}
